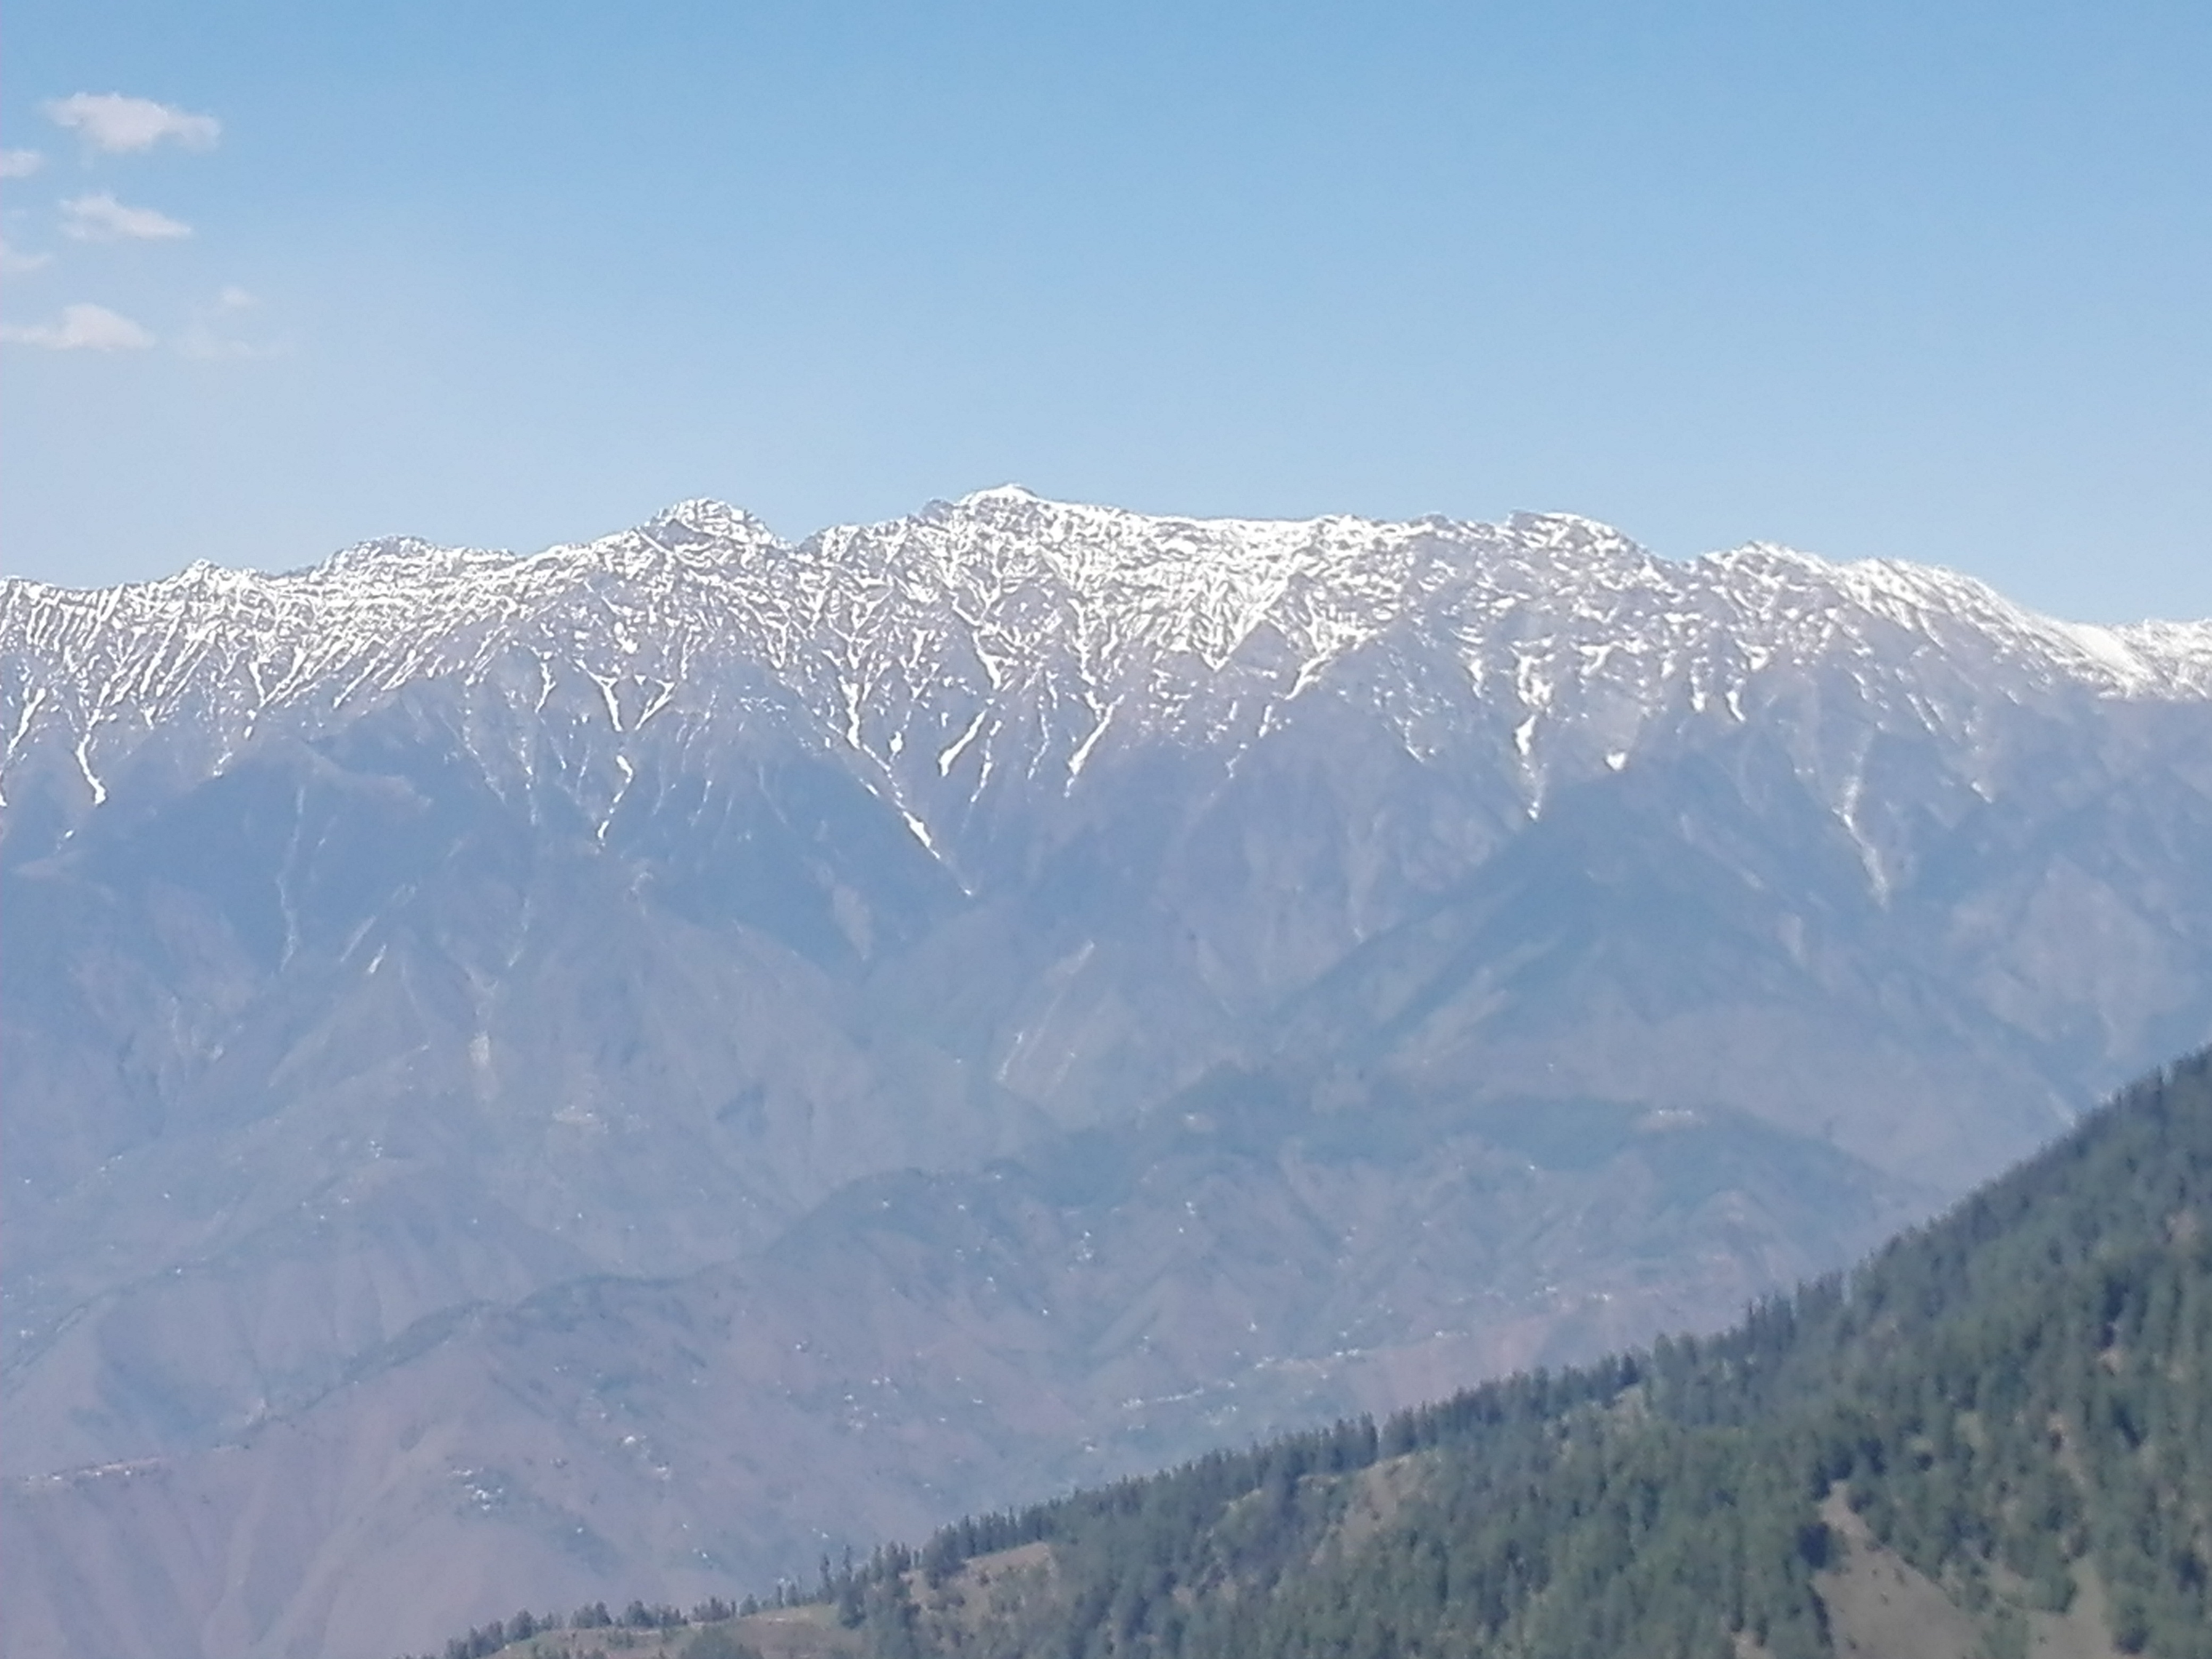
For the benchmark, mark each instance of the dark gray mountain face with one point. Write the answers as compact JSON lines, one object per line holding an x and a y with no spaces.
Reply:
{"x":601,"y":1073}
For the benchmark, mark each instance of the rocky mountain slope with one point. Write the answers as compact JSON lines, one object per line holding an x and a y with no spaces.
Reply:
{"x":467,"y":1012}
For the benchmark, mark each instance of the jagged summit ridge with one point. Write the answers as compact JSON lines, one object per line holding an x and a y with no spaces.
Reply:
{"x":1005,"y":626}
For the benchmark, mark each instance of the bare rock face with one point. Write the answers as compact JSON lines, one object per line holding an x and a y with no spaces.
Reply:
{"x":610,"y":1073}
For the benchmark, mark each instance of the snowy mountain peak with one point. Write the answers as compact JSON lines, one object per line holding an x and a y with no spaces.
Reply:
{"x":1004,"y":492}
{"x":1005,"y":634}
{"x":704,"y":517}
{"x":1569,"y":533}
{"x":2154,"y":659}
{"x":393,"y":560}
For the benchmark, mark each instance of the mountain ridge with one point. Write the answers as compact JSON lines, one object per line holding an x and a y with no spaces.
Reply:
{"x":657,"y":906}
{"x":1231,"y":578}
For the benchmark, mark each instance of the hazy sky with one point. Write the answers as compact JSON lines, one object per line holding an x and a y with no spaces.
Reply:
{"x":1923,"y":280}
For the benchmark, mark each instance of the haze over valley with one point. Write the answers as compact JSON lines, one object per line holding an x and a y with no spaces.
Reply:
{"x":611,"y":1072}
{"x":1516,"y":965}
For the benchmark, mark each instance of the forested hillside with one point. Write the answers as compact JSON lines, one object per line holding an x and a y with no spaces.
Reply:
{"x":2005,"y":1416}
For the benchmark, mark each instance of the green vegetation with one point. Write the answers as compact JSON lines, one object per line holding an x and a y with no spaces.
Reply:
{"x":2016,"y":1400}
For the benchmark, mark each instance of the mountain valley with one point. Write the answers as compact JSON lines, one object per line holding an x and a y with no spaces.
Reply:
{"x":1989,"y":1439}
{"x":616,"y":1071}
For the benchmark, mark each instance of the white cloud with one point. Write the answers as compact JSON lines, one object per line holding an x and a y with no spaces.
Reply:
{"x":114,"y":123}
{"x":19,"y":163}
{"x":101,"y":218}
{"x":203,"y":344}
{"x":82,"y":328}
{"x":12,"y":262}
{"x":206,"y":339}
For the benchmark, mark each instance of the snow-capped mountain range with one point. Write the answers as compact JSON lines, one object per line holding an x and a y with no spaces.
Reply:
{"x":922,"y":633}
{"x":1087,"y":984}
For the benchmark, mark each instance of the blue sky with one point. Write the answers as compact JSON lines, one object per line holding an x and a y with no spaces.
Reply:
{"x":1928,"y":280}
